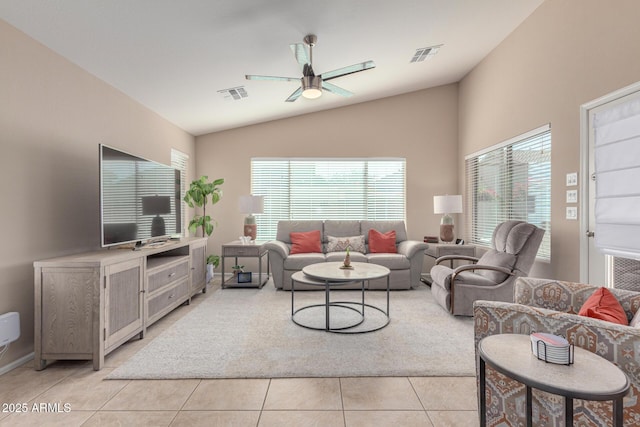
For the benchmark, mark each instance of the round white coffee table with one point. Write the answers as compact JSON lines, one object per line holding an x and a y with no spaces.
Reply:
{"x":330,"y":275}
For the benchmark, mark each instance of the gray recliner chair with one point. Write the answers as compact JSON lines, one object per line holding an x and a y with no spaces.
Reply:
{"x":490,"y":277}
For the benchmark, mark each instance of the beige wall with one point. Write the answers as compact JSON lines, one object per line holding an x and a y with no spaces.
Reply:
{"x":565,"y":54}
{"x":52,"y":117}
{"x":419,"y":126}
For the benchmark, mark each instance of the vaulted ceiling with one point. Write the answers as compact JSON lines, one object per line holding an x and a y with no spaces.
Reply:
{"x":178,"y":57}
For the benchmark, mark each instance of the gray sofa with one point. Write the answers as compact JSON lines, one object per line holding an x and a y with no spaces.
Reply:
{"x":405,"y":265}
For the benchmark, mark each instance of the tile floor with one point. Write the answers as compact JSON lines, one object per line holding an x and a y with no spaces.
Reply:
{"x":71,"y":393}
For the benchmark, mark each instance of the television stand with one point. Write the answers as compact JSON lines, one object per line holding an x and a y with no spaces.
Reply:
{"x":87,"y":305}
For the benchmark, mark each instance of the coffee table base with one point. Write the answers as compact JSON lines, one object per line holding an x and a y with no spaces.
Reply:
{"x":358,"y":307}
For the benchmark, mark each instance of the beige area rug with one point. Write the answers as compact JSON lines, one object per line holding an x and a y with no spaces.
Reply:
{"x":248,"y":333}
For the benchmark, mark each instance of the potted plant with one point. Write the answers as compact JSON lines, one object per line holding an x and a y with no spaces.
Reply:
{"x":213,"y":261}
{"x":198,"y":195}
{"x":237,"y":269}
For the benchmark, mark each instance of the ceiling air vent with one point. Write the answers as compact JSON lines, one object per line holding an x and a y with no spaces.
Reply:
{"x":425,"y":53}
{"x":234,"y":93}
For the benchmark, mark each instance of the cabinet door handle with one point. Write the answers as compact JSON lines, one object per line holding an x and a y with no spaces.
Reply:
{"x":171,"y":296}
{"x":172,"y":274}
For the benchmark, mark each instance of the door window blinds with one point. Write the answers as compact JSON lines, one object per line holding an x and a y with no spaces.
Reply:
{"x":311,"y":188}
{"x":510,"y":181}
{"x":617,"y":169}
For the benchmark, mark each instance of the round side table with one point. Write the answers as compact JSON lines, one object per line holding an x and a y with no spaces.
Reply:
{"x":590,"y":377}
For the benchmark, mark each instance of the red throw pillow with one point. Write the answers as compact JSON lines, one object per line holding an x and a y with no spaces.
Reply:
{"x":603,"y":305}
{"x":305,"y":242}
{"x":382,"y":242}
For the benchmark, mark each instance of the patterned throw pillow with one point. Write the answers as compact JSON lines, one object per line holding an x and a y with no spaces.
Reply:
{"x":340,"y":244}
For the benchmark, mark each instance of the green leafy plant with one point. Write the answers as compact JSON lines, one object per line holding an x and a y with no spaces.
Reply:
{"x":199,"y":193}
{"x":213,"y":260}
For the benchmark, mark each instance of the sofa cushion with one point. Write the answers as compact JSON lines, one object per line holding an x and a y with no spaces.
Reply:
{"x":441,"y":275}
{"x":384,"y":226}
{"x":497,"y":259}
{"x":305,"y":242}
{"x":286,"y":227}
{"x":340,"y":244}
{"x":603,"y":305}
{"x":339,"y":257}
{"x":382,"y":242}
{"x":299,"y":261}
{"x":391,"y":261}
{"x":341,"y":228}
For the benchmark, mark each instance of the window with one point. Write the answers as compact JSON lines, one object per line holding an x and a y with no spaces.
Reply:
{"x":510,"y":181}
{"x":306,"y":189}
{"x":179,"y":160}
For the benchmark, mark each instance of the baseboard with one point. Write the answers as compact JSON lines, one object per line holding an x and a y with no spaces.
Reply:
{"x":16,"y":363}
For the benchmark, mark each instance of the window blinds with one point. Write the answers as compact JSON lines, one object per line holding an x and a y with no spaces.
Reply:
{"x":510,"y":181}
{"x":617,"y":168}
{"x":180,"y":160}
{"x":309,"y":188}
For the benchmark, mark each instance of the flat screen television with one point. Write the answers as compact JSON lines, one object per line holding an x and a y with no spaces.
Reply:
{"x":139,"y":199}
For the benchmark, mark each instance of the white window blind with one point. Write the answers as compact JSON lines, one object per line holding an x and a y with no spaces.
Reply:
{"x":124,"y":197}
{"x":180,"y":160}
{"x":311,"y":188}
{"x":510,"y":181}
{"x":617,"y":167}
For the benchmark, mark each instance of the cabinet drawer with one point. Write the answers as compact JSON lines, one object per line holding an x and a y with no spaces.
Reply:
{"x":168,"y":298}
{"x":167,"y":275}
{"x":242,"y":251}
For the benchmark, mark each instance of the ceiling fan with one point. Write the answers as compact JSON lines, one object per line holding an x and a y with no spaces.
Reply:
{"x":311,"y":85}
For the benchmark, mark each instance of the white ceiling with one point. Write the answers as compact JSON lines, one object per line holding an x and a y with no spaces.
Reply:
{"x":174,"y":56}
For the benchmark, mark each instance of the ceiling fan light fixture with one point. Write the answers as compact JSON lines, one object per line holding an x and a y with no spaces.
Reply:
{"x":312,"y":87}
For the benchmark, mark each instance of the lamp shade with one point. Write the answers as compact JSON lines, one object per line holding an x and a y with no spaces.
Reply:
{"x":251,"y":204}
{"x":447,"y":204}
{"x":156,"y":205}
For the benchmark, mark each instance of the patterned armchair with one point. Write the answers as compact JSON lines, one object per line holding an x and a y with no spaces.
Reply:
{"x":543,"y":305}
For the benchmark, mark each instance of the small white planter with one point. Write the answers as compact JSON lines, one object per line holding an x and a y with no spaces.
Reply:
{"x":209,"y":272}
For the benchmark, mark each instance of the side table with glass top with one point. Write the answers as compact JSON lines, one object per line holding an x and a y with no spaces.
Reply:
{"x":236,"y":250}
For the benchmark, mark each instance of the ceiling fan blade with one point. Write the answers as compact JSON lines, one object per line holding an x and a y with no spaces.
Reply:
{"x":295,"y":95}
{"x":355,"y":68}
{"x":335,"y":89}
{"x":277,"y":78}
{"x":300,"y":52}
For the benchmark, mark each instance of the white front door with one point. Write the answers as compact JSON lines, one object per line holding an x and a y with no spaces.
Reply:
{"x":595,"y":267}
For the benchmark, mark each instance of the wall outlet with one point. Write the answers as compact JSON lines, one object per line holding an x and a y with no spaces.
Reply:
{"x":572,"y":213}
{"x":9,"y":327}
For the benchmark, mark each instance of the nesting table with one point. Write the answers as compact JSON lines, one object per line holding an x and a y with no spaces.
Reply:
{"x":331,"y":276}
{"x":590,"y":377}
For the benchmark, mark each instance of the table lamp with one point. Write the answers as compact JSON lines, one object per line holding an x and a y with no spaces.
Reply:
{"x":251,"y":205}
{"x":156,"y":205}
{"x":447,"y":205}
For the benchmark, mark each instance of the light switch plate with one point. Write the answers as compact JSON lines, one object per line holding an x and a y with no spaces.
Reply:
{"x":572,"y":196}
{"x":572,"y":179}
{"x":572,"y":213}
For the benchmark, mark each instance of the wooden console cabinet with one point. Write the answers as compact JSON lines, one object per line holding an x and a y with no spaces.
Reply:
{"x":86,"y":305}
